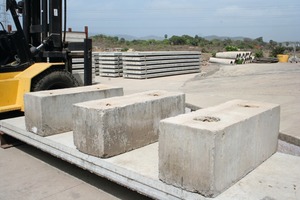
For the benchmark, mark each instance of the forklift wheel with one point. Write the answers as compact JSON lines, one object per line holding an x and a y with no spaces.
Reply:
{"x":52,"y":79}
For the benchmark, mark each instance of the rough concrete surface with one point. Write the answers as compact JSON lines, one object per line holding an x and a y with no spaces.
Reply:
{"x":30,"y":174}
{"x":277,"y":83}
{"x":50,"y":112}
{"x":112,"y":126}
{"x":274,"y":83}
{"x":209,"y":150}
{"x":277,"y":178}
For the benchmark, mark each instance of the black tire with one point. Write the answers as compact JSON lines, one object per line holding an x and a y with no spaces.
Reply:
{"x":52,"y":79}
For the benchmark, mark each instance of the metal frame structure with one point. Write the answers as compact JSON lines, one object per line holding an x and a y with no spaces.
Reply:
{"x":41,"y":38}
{"x":36,"y":56}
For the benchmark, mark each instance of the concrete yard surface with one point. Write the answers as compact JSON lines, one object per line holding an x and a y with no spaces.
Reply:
{"x":280,"y":175}
{"x":277,"y":83}
{"x":277,"y":178}
{"x":29,"y":173}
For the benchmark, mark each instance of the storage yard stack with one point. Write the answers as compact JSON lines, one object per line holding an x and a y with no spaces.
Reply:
{"x":78,"y":56}
{"x":95,"y":62}
{"x":232,"y":57}
{"x":78,"y":66}
{"x":143,"y":65}
{"x":109,"y":64}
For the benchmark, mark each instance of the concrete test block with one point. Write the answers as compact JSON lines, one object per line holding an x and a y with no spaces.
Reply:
{"x":113,"y":126}
{"x":209,"y":150}
{"x":50,"y":112}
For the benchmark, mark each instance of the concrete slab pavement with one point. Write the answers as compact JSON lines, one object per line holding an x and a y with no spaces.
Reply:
{"x":274,"y":83}
{"x":30,"y":174}
{"x":203,"y":90}
{"x":277,"y":177}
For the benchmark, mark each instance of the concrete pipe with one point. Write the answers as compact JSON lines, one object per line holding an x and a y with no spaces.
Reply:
{"x":222,"y":61}
{"x":229,"y":55}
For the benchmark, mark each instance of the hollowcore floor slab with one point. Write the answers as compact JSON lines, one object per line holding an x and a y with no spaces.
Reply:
{"x":105,"y":70}
{"x":277,"y":178}
{"x":172,"y":65}
{"x":160,"y":53}
{"x":111,"y":74}
{"x":168,"y":57}
{"x":110,"y":66}
{"x":145,"y":76}
{"x":112,"y":62}
{"x":154,"y":71}
{"x":159,"y":62}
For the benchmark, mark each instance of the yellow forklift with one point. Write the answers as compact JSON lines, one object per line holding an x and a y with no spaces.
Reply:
{"x":36,"y":55}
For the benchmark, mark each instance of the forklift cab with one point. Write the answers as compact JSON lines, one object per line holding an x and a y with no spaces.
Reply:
{"x":7,"y":50}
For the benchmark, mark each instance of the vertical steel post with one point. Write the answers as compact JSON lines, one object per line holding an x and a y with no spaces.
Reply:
{"x":27,"y":19}
{"x":44,"y":19}
{"x":35,"y":25}
{"x":87,"y":62}
{"x":55,"y":23}
{"x":86,"y":31}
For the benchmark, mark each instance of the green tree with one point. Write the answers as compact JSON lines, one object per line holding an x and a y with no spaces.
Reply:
{"x":277,"y":50}
{"x":228,"y":42}
{"x":287,"y":44}
{"x":272,"y":44}
{"x":260,"y":40}
{"x":177,"y":40}
{"x":231,"y":48}
{"x":188,"y":39}
{"x":259,"y":54}
{"x":122,"y":40}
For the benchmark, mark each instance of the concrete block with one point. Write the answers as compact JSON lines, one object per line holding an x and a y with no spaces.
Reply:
{"x":113,"y":126}
{"x":209,"y":150}
{"x":50,"y":112}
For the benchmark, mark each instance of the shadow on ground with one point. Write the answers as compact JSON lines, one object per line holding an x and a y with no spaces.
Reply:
{"x":86,"y":176}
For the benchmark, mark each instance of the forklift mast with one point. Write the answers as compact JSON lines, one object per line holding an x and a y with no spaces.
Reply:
{"x":15,"y":42}
{"x":41,"y":19}
{"x":40,"y":39}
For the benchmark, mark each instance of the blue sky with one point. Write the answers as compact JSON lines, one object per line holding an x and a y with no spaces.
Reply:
{"x":271,"y":19}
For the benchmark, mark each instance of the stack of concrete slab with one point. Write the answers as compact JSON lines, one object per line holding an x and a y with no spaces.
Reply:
{"x":95,"y":62}
{"x":232,"y":57}
{"x":75,"y":36}
{"x":78,"y":64}
{"x":78,"y":68}
{"x":143,"y":65}
{"x":109,"y":64}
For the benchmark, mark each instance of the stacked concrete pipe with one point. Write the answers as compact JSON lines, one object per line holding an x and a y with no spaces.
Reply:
{"x":232,"y":57}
